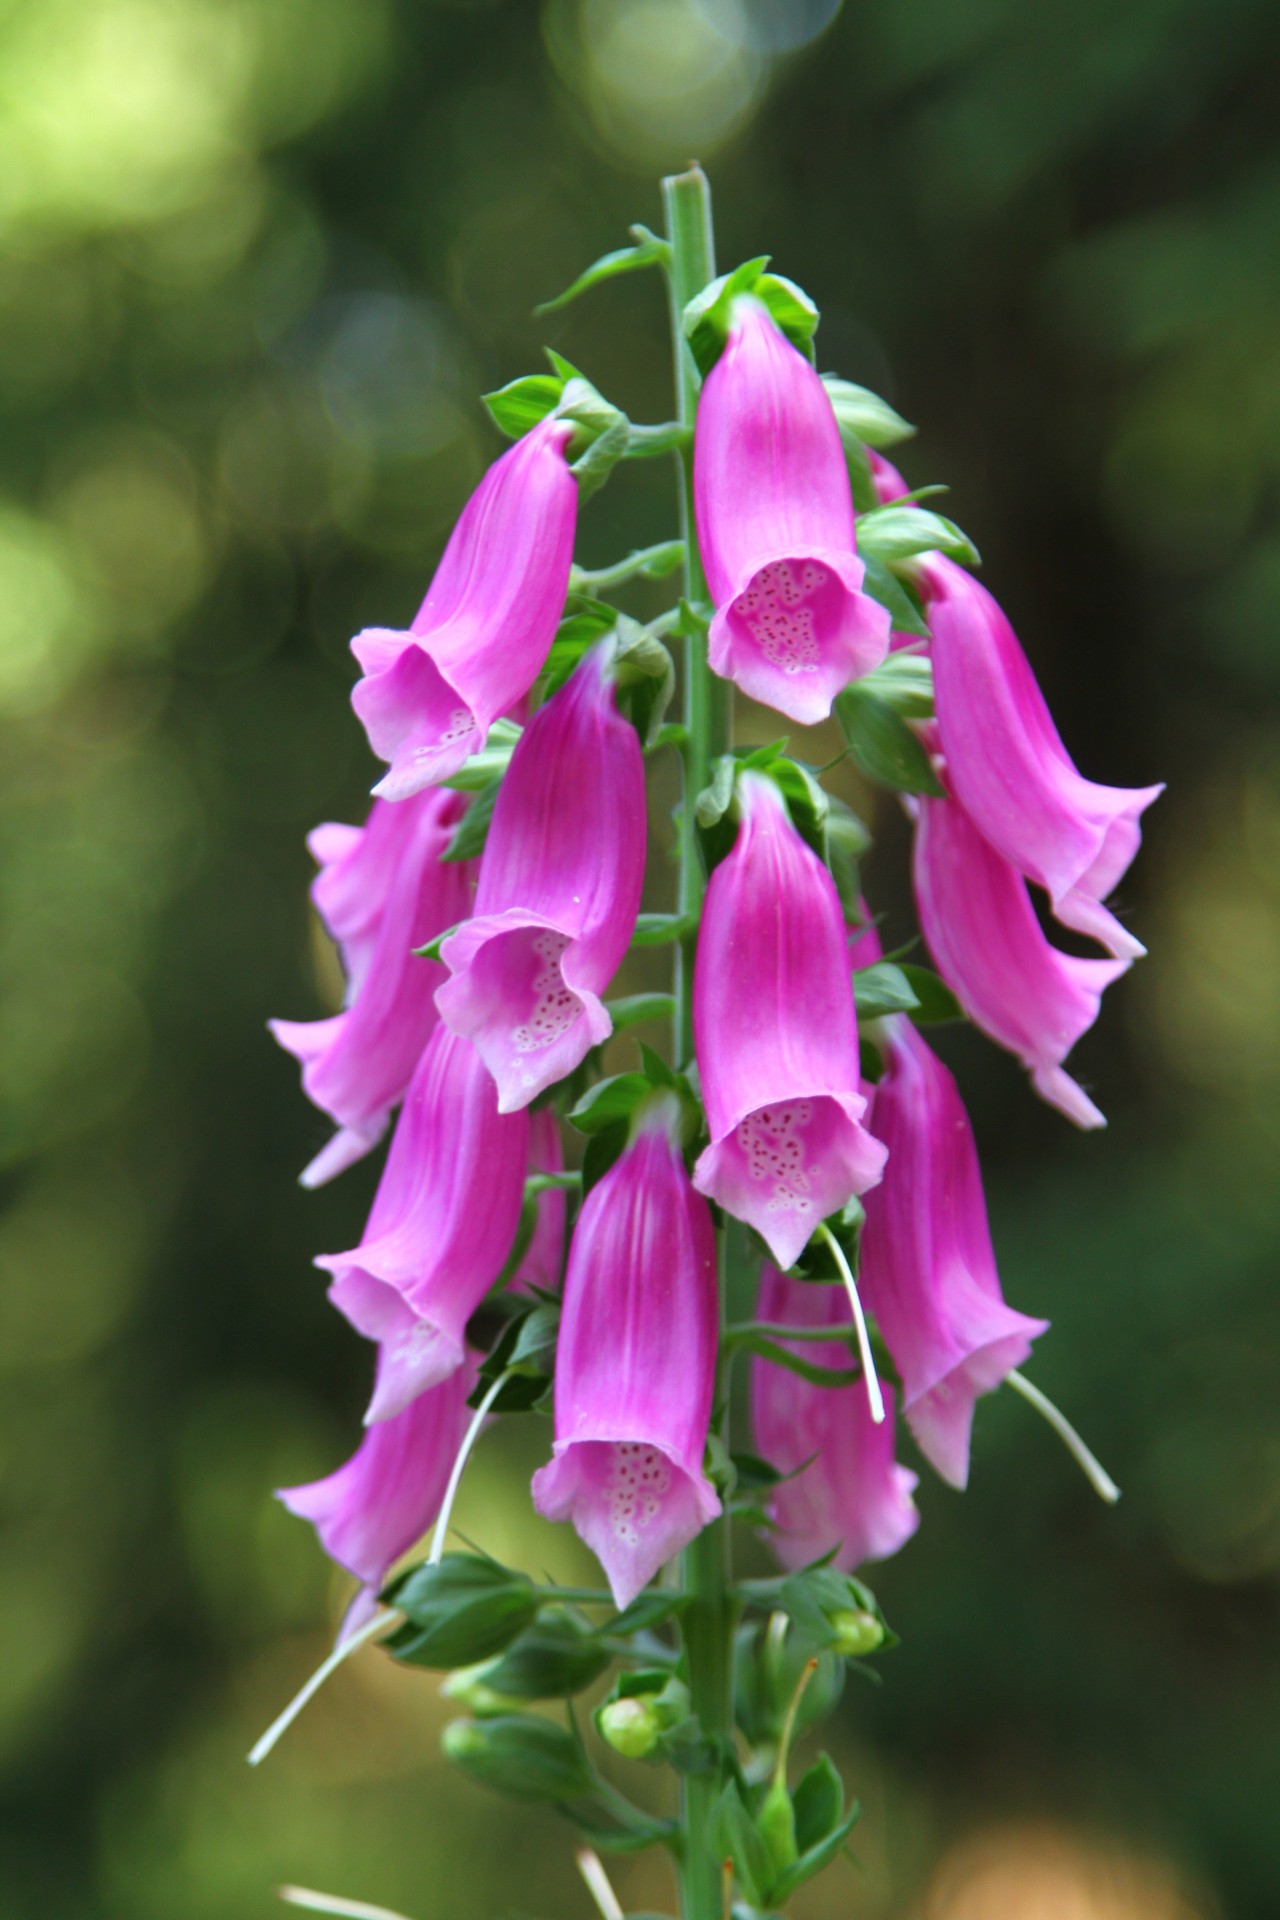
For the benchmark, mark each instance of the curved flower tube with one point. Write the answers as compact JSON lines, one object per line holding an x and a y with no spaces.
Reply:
{"x":775,"y":522}
{"x":479,"y":639}
{"x":844,"y":1491}
{"x":776,"y":1036}
{"x":927,"y":1269}
{"x":558,"y":892}
{"x":382,"y":890}
{"x":374,"y":1508}
{"x":636,"y":1361}
{"x":442,"y":1223}
{"x":543,"y":1258}
{"x":981,"y":928}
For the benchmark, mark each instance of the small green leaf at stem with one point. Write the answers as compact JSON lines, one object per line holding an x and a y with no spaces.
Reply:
{"x":898,"y":599}
{"x":648,"y":251}
{"x":883,"y":744}
{"x":882,"y":989}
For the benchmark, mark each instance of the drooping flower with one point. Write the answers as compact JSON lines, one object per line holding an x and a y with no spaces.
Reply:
{"x":442,"y":1223}
{"x":374,"y":1508}
{"x":775,"y":1034}
{"x":928,"y":1272}
{"x":382,"y":890}
{"x":981,"y":928}
{"x":845,"y":1491}
{"x":558,"y":892}
{"x":543,"y":1258}
{"x":480,"y":637}
{"x":775,"y":521}
{"x":1006,"y":762}
{"x":635,"y":1364}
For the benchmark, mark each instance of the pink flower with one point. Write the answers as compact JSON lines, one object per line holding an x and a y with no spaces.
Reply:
{"x":480,"y":637}
{"x":442,"y":1223}
{"x":544,"y":1256}
{"x":382,"y":1501}
{"x":846,"y":1491}
{"x":558,"y":892}
{"x":1009,"y":769}
{"x":776,"y":529}
{"x":927,"y":1272}
{"x":776,"y":1036}
{"x":635,"y":1366}
{"x":382,"y":890}
{"x":980,"y":925}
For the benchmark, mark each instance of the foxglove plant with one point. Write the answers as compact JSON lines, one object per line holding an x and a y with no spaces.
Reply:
{"x":802,"y":1129}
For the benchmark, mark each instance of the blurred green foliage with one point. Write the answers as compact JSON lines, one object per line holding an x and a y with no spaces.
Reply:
{"x":256,"y":261}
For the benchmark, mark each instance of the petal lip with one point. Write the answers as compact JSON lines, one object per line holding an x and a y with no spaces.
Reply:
{"x":564,"y":1490}
{"x":797,"y":659}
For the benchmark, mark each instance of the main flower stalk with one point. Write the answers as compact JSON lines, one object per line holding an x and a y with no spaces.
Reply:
{"x":708,"y":1619}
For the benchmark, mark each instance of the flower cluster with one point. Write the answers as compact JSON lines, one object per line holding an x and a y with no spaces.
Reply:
{"x":846,"y":1156}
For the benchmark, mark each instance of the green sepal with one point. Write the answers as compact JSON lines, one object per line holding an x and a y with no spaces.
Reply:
{"x":904,"y":681}
{"x":603,"y":430}
{"x":882,"y":989}
{"x":818,"y":1803}
{"x":897,"y":597}
{"x":898,"y":532}
{"x":648,"y":251}
{"x":609,"y":1101}
{"x":864,"y":416}
{"x":551,"y":1660}
{"x":526,"y":1350}
{"x":491,"y":761}
{"x":815,"y":1859}
{"x":520,"y":1755}
{"x":709,"y":315}
{"x":737,"y":1838}
{"x":468,"y":838}
{"x":644,"y":676}
{"x":883,"y":744}
{"x":522,"y":403}
{"x":461,"y":1610}
{"x":818,"y":1597}
{"x":935,"y":1002}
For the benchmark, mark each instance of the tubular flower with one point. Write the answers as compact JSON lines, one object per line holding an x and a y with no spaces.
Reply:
{"x":977,"y":918}
{"x":846,"y":1492}
{"x":480,"y":637}
{"x":543,"y":1258}
{"x":775,"y":1035}
{"x":1009,"y":769}
{"x":776,"y":527}
{"x":635,"y":1365}
{"x":385,"y":1497}
{"x":442,"y":1223}
{"x":558,"y":892}
{"x":927,"y":1270}
{"x":382,"y":890}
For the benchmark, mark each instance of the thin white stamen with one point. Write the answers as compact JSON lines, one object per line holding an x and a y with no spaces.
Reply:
{"x":333,"y":1903}
{"x":875,"y":1399}
{"x":1094,"y":1471}
{"x":370,"y":1631}
{"x":592,"y":1871}
{"x":455,"y":1478}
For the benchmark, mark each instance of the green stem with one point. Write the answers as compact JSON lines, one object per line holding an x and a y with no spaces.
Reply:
{"x":707,"y":1622}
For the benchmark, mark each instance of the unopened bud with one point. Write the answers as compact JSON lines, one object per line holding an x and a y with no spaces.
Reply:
{"x":468,"y":1687}
{"x":630,"y":1727}
{"x":856,"y":1632}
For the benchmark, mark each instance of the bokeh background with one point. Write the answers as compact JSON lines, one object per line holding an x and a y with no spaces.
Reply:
{"x":256,"y":262}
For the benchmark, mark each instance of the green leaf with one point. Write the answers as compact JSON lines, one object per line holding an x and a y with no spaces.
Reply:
{"x":459,"y":1611}
{"x":634,"y":1008}
{"x":661,"y":929}
{"x":881,"y":989}
{"x":793,"y":311}
{"x":902,"y":605}
{"x":520,"y":1755}
{"x":522,"y":403}
{"x":738,"y":1839}
{"x":648,"y":1610}
{"x":821,"y":1600}
{"x":645,"y":676}
{"x":602,"y":436}
{"x":609,"y":1101}
{"x":897,"y":532}
{"x":814,"y":1860}
{"x":904,"y":682}
{"x":818,"y":1804}
{"x":862,"y":480}
{"x":551,"y":1660}
{"x":883,"y":744}
{"x":647,"y":252}
{"x":864,"y":415}
{"x":935,"y":1002}
{"x":471,"y":832}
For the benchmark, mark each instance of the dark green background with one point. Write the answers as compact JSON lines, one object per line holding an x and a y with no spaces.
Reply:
{"x":258,"y":260}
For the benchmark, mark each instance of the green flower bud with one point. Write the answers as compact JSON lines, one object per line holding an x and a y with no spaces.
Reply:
{"x":777,"y":1824}
{"x":855,"y":1632}
{"x":630,"y":1727}
{"x":519,"y":1754}
{"x":468,"y":1687}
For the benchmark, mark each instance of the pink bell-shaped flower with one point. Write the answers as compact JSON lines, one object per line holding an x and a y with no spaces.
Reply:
{"x":845,"y":1491}
{"x":927,"y":1270}
{"x":376,"y":1506}
{"x":981,"y":928}
{"x":479,"y":639}
{"x":382,"y":890}
{"x":776,"y":1036}
{"x":558,"y":892}
{"x":441,"y":1226}
{"x":636,"y":1361}
{"x":1008,"y":767}
{"x":775,"y":521}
